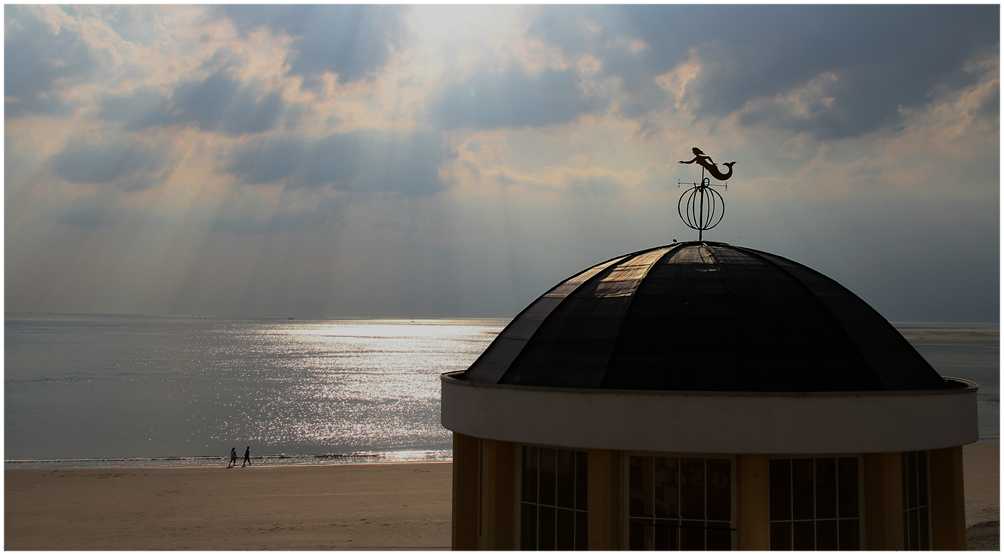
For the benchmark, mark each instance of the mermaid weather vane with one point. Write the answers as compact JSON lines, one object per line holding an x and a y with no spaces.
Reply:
{"x":701,"y":207}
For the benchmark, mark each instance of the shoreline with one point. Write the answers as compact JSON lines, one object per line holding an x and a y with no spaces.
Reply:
{"x":278,"y":460}
{"x":206,"y":467}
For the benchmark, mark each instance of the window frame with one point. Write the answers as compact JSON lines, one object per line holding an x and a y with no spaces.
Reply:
{"x":861,"y":497}
{"x":625,"y":486}
{"x":518,"y":494}
{"x":907,"y":509}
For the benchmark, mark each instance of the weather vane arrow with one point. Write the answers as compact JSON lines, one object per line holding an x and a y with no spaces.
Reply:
{"x":701,"y":207}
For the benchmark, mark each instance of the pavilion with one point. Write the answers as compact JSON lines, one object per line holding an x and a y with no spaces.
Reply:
{"x":701,"y":395}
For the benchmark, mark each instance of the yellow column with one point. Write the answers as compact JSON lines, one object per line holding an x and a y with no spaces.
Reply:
{"x":464,"y":528}
{"x":752,"y":488}
{"x":947,"y":497}
{"x":498,"y":498}
{"x":604,"y":500}
{"x":486,"y":532}
{"x":506,"y":499}
{"x":883,"y":484}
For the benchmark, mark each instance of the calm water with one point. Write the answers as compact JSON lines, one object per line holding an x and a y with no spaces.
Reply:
{"x":174,"y":390}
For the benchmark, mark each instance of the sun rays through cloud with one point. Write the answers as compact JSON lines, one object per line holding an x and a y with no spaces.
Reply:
{"x":384,"y":160}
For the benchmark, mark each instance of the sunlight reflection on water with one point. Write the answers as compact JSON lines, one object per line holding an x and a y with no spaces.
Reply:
{"x":164,"y":387}
{"x":346,"y":386}
{"x":132,"y":387}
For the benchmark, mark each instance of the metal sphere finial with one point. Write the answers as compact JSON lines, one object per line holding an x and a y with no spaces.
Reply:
{"x":701,"y":207}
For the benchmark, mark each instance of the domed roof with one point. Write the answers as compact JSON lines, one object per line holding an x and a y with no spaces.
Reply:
{"x":703,"y":316}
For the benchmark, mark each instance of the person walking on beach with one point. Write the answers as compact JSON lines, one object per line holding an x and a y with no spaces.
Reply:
{"x":247,"y":457}
{"x":233,"y":458}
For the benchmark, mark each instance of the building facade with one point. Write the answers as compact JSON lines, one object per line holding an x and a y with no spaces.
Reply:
{"x":705,"y":396}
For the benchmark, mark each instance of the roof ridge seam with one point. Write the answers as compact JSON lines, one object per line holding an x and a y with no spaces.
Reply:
{"x":833,"y":281}
{"x":673,"y":249}
{"x":763,"y":256}
{"x":724,"y":276}
{"x":604,"y":272}
{"x":527,"y":307}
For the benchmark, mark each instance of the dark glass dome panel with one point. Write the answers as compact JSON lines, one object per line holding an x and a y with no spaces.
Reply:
{"x":703,"y":316}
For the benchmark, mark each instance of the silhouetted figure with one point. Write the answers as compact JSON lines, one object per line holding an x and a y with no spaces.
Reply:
{"x":233,"y":458}
{"x":707,"y":163}
{"x":247,"y":457}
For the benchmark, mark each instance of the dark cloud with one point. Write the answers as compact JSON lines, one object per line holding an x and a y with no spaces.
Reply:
{"x":351,"y":41}
{"x":38,"y":61}
{"x":358,"y":161}
{"x":138,"y":110}
{"x":124,"y":165}
{"x":270,"y":160}
{"x":884,"y":57}
{"x":219,"y":102}
{"x":512,"y":98}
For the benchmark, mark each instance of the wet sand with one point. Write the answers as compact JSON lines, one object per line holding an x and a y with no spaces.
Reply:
{"x":380,"y":506}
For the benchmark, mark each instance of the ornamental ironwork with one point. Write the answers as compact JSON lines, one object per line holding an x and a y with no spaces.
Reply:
{"x":701,"y":207}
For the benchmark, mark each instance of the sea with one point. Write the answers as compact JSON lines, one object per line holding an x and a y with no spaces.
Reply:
{"x":111,"y":390}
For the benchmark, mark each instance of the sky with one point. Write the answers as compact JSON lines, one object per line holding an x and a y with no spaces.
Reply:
{"x":382,"y":161}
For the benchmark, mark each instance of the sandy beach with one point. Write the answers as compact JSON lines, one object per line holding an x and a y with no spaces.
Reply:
{"x":380,"y":506}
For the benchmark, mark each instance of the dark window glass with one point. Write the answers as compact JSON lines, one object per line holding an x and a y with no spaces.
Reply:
{"x":826,"y":535}
{"x":922,"y":478}
{"x":719,"y":537}
{"x":547,"y":476}
{"x":674,"y":536}
{"x":848,"y":480}
{"x":780,"y":536}
{"x":662,"y":532}
{"x":639,"y":535}
{"x":581,"y":478}
{"x":530,"y":474}
{"x":566,"y":530}
{"x":719,"y":490}
{"x":910,"y":479}
{"x":805,"y":535}
{"x":910,"y":530}
{"x":674,"y":503}
{"x":666,"y":488}
{"x":826,"y":489}
{"x":528,"y":527}
{"x":566,"y":478}
{"x":849,"y":535}
{"x":692,"y":536}
{"x":581,"y":531}
{"x":822,"y":490}
{"x":922,"y":524}
{"x":692,"y":489}
{"x":780,"y":489}
{"x":546,"y":528}
{"x":553,"y":476}
{"x":641,"y":486}
{"x":802,"y":489}
{"x":916,"y":528}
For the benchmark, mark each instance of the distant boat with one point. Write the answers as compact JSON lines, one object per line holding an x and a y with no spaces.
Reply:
{"x":290,"y":318}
